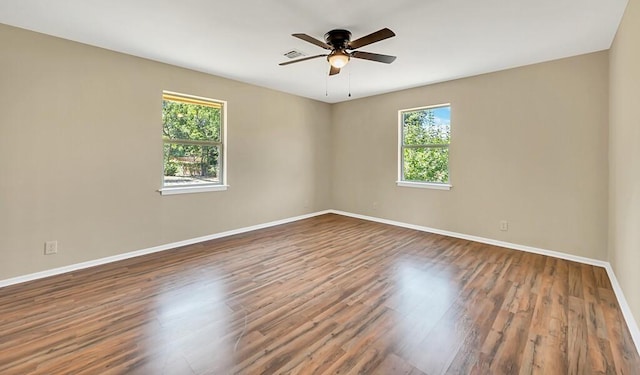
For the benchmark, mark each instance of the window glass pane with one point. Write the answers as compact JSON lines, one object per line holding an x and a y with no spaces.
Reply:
{"x":426,"y":164}
{"x":427,"y":126}
{"x":191,"y":164}
{"x":190,"y":121}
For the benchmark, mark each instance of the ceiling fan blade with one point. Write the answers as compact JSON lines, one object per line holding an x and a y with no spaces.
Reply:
{"x":312,"y":40}
{"x":333,"y":70}
{"x":371,"y":38}
{"x":373,"y":57}
{"x":302,"y":59}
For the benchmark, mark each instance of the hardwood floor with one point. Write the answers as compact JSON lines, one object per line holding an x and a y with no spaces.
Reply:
{"x":327,"y":295}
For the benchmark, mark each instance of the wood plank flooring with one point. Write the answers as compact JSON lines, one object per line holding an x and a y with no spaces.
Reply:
{"x":327,"y":295}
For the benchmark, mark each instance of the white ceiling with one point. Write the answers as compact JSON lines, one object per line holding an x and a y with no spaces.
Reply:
{"x":437,"y":40}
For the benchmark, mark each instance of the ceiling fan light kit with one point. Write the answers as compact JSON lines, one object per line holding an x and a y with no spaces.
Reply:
{"x":342,"y":49}
{"x":338,"y":58}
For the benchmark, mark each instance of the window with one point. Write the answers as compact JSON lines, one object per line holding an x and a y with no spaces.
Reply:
{"x":194,"y":151}
{"x":425,"y":135}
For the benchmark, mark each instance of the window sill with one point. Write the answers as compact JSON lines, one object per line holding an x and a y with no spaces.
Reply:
{"x":191,"y":189}
{"x":424,"y":185}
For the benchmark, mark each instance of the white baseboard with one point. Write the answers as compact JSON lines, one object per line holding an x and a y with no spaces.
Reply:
{"x":488,"y":241}
{"x":622,"y":301}
{"x":155,"y":249}
{"x":624,"y":306}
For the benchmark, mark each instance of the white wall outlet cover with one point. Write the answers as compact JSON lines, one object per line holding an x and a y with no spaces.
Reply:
{"x":50,"y":247}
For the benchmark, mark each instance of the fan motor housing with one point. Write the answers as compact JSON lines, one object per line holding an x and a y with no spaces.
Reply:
{"x":338,"y":38}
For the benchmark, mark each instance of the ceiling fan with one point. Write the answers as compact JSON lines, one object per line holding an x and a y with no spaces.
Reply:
{"x":343,"y":48}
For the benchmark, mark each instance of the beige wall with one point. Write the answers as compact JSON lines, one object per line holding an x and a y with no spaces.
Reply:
{"x":624,"y":156}
{"x":81,"y":154}
{"x":529,"y":145}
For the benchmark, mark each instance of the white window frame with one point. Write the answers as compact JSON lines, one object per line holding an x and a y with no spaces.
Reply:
{"x":201,"y":188}
{"x":418,"y":184}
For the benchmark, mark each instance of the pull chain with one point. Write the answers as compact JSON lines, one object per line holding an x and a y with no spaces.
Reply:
{"x":349,"y":82}
{"x":326,"y":85}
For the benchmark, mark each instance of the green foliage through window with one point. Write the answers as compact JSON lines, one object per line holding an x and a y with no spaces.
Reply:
{"x":191,"y":129}
{"x":426,"y":135}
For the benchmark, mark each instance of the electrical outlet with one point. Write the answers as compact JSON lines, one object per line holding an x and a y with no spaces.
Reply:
{"x":504,"y":225}
{"x":50,"y":247}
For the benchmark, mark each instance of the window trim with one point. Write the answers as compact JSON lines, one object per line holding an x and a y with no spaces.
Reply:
{"x":424,"y":185}
{"x":401,"y":182}
{"x":200,"y":188}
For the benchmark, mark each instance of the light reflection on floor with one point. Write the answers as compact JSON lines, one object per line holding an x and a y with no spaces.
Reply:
{"x":194,"y":315}
{"x":424,"y":302}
